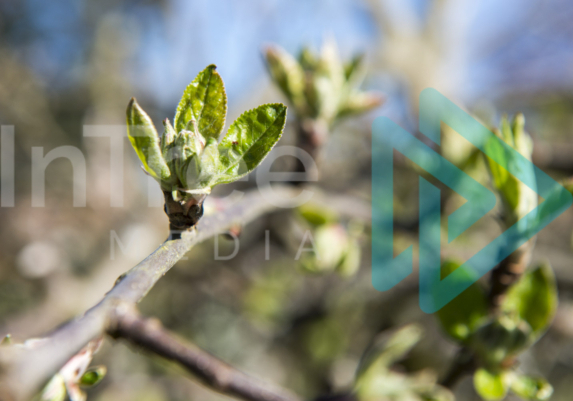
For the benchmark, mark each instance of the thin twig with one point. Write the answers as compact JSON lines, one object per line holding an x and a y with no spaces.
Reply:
{"x":150,"y":335}
{"x":464,"y":363}
{"x":23,"y":370}
{"x":507,"y":273}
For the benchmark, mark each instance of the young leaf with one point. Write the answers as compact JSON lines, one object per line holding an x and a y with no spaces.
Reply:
{"x":530,"y":388}
{"x":317,"y":215}
{"x":168,"y":136}
{"x":307,"y":59}
{"x":460,"y":317}
{"x":506,"y":184}
{"x":331,"y":65}
{"x":93,"y":376}
{"x":248,"y":141}
{"x":205,"y":101}
{"x":351,"y":261}
{"x":201,"y":170}
{"x":145,"y":141}
{"x":55,"y":390}
{"x":491,"y":386}
{"x":287,"y":73}
{"x":189,"y":145}
{"x":388,"y":349}
{"x":353,"y":67}
{"x":359,"y":103}
{"x":496,"y":340}
{"x":534,"y":298}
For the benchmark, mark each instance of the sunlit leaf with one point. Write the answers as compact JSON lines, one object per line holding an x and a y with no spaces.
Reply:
{"x":330,"y":63}
{"x":360,"y":102}
{"x":201,"y":171}
{"x":248,"y":141}
{"x":168,"y":136}
{"x":287,"y":74}
{"x":491,"y":386}
{"x":317,"y":215}
{"x":353,"y":68}
{"x":93,"y":376}
{"x":307,"y":59}
{"x":205,"y":101}
{"x":497,"y":339}
{"x":534,"y":298}
{"x":145,"y":141}
{"x":460,"y":317}
{"x":189,"y":144}
{"x":55,"y":390}
{"x":387,"y":350}
{"x":351,"y":260}
{"x":530,"y":388}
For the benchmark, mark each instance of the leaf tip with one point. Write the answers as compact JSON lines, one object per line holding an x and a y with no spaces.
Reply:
{"x":130,"y":104}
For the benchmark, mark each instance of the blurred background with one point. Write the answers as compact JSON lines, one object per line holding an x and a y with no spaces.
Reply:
{"x":65,"y":64}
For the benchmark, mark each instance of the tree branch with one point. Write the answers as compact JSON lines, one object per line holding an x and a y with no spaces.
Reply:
{"x":24,"y":369}
{"x":463,"y":364}
{"x":507,"y":273}
{"x":153,"y":337}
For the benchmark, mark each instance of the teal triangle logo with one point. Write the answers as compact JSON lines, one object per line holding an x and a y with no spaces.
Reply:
{"x":387,"y":136}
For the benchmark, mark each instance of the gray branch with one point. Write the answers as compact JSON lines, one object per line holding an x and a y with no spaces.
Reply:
{"x":23,"y":369}
{"x":150,"y":335}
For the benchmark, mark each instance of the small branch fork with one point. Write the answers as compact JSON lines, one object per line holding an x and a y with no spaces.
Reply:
{"x":150,"y":335}
{"x":24,"y":369}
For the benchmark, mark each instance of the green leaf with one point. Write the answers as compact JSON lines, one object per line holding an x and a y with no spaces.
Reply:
{"x":55,"y":390}
{"x":205,"y":101}
{"x":189,"y":145}
{"x":145,"y":141}
{"x":317,"y":215}
{"x":522,"y":140}
{"x":496,"y":340}
{"x":351,"y":260}
{"x":530,"y":388}
{"x":517,"y":199}
{"x":331,"y":65}
{"x":307,"y":58}
{"x":388,"y":349}
{"x":248,"y":141}
{"x":287,"y":73}
{"x":491,"y":386}
{"x":330,"y":242}
{"x":202,"y":169}
{"x":93,"y":376}
{"x":168,"y":136}
{"x":359,"y":103}
{"x":354,"y":67}
{"x":461,"y":316}
{"x":505,"y":183}
{"x":534,"y":298}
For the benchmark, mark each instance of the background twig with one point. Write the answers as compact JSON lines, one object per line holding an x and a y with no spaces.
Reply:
{"x":153,"y":337}
{"x":25,"y":369}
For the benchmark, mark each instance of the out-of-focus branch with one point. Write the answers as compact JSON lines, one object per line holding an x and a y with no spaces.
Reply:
{"x":553,"y":157}
{"x":24,"y":369}
{"x":464,"y":363}
{"x":311,"y":136}
{"x":507,"y":273}
{"x":150,"y":335}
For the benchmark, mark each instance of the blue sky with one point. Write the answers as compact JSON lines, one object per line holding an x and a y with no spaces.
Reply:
{"x":502,"y":46}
